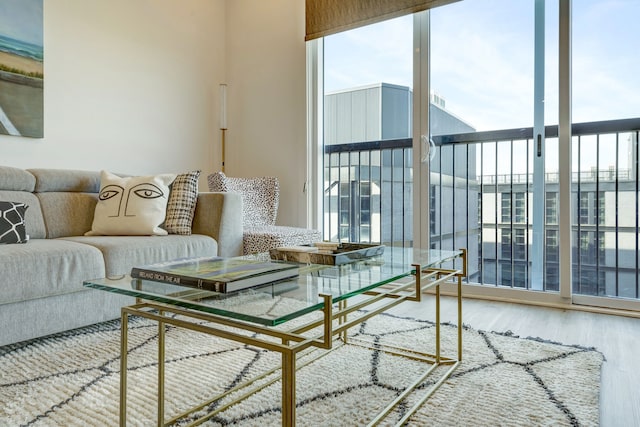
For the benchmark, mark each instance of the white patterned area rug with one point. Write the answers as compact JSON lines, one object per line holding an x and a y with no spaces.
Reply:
{"x":72,"y":379}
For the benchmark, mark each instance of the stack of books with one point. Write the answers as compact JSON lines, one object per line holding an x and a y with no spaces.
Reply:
{"x":217,"y":274}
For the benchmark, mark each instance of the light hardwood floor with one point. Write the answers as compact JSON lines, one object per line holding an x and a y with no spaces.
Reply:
{"x":617,"y":337}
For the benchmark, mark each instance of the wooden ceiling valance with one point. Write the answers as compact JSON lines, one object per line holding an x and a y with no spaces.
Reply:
{"x":325,"y":17}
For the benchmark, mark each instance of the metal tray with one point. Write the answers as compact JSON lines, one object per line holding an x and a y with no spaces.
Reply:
{"x":345,"y":253}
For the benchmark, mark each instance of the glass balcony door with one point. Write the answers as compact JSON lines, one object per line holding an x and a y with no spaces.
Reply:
{"x":496,"y":71}
{"x":488,"y":179}
{"x":604,"y":188}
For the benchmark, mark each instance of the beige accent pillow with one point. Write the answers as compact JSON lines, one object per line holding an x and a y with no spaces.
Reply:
{"x":131,"y":206}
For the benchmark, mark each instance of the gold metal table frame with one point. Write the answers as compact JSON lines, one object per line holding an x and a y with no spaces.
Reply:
{"x":336,"y":320}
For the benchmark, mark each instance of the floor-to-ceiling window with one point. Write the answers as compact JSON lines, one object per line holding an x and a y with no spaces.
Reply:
{"x":606,"y":86}
{"x":493,"y":151}
{"x":496,"y":73}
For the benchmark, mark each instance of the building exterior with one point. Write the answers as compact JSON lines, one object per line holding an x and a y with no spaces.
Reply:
{"x":603,"y":227}
{"x":369,"y":184}
{"x":369,"y":193}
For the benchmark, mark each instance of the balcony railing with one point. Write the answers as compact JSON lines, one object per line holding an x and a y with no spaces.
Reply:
{"x":552,"y":177}
{"x":481,"y":188}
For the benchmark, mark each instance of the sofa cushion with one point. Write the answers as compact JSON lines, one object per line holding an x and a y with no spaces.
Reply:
{"x":67,"y":214}
{"x":65,"y":180}
{"x":12,"y":228}
{"x":15,"y":179}
{"x":66,"y":200}
{"x":131,"y":206}
{"x":121,"y":253}
{"x":46,"y":267}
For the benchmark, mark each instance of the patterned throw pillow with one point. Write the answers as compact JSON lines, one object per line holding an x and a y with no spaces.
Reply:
{"x":12,"y":229}
{"x":131,"y":206}
{"x":182,"y":203}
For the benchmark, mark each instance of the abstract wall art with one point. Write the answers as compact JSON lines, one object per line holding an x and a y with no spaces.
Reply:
{"x":21,"y":68}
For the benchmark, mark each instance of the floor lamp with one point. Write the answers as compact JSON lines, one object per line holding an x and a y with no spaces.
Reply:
{"x":223,"y":117}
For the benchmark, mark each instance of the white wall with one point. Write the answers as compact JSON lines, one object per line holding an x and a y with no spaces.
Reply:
{"x":130,"y":86}
{"x":267,"y":98}
{"x":133,"y":87}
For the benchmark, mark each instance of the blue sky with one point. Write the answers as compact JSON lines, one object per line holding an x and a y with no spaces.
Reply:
{"x":482,"y":59}
{"x":22,"y":20}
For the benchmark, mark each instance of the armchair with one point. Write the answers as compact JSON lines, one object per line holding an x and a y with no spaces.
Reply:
{"x":260,"y":199}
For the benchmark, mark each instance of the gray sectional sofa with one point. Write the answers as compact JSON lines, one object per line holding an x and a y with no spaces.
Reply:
{"x":41,"y":289}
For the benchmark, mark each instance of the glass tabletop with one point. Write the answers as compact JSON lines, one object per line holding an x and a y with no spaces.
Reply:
{"x":276,"y":303}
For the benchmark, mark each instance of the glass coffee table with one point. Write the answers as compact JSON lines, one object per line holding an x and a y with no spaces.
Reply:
{"x":322,"y":304}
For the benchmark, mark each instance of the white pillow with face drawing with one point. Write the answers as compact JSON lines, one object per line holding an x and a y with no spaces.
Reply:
{"x":131,"y":206}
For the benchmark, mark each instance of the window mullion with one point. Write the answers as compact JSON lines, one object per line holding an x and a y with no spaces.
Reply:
{"x":564,"y":148}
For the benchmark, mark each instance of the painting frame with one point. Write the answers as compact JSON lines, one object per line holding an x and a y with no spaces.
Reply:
{"x":22,"y":68}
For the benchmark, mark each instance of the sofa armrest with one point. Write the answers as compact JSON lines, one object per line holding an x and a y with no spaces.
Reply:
{"x":219,"y":215}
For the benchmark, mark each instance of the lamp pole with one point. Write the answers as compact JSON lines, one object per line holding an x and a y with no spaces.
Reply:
{"x":223,"y":117}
